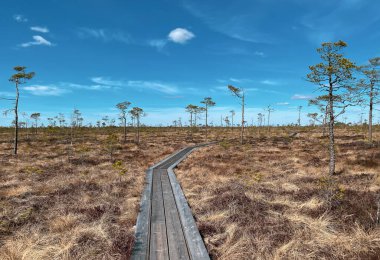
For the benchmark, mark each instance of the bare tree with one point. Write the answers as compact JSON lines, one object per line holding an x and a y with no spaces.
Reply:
{"x":208,"y":102}
{"x":61,"y":119}
{"x":371,"y":89}
{"x":239,"y":93}
{"x":35,"y":116}
{"x":314,"y":117}
{"x":197,"y":111}
{"x":77,"y":118}
{"x":260,"y":118}
{"x":26,"y":120}
{"x":299,"y":115}
{"x":227,"y":121}
{"x":323,"y":116}
{"x":232,"y":112}
{"x":20,"y":77}
{"x":137,"y":113}
{"x":123,"y":106}
{"x":190,"y":110}
{"x":334,"y":78}
{"x":269,"y":109}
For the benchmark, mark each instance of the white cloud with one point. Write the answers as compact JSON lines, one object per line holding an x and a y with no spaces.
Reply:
{"x":20,"y":18}
{"x":236,"y":25}
{"x":301,"y":97}
{"x":87,"y":87}
{"x":6,"y":94}
{"x":152,"y":85}
{"x":40,"y":90}
{"x":39,"y":29}
{"x":235,"y":80}
{"x":104,"y":35}
{"x":282,"y":103}
{"x":269,"y":82}
{"x":38,"y":40}
{"x":180,"y":35}
{"x":138,"y":84}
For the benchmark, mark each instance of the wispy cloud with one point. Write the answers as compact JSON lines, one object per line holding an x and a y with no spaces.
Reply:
{"x":259,"y":53}
{"x":301,"y":97}
{"x":239,"y":25}
{"x":234,"y":80}
{"x":282,"y":103}
{"x":6,"y":94}
{"x":159,"y":44}
{"x":180,"y":35}
{"x":20,"y":18}
{"x":153,"y":85}
{"x":137,"y":84}
{"x":85,"y":87}
{"x":39,"y":29}
{"x":38,"y":40}
{"x":43,"y":90}
{"x":269,"y":82}
{"x":105,"y":35}
{"x":108,"y":82}
{"x":103,"y":83}
{"x":342,"y":20}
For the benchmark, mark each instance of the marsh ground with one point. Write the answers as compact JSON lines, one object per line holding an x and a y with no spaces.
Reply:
{"x":63,"y":201}
{"x":263,"y":199}
{"x":266,"y":199}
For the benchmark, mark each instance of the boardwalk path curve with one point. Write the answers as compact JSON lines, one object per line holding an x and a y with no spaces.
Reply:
{"x":165,"y":226}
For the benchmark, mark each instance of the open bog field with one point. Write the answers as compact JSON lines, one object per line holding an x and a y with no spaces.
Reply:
{"x":78,"y":197}
{"x":266,"y":199}
{"x":63,"y":201}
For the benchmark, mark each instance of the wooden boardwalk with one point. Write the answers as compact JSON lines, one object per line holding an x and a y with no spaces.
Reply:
{"x":165,"y":226}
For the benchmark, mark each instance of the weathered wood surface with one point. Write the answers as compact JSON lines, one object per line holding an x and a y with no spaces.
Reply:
{"x":165,"y":227}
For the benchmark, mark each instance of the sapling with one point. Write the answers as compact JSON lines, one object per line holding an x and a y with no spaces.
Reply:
{"x":120,"y":168}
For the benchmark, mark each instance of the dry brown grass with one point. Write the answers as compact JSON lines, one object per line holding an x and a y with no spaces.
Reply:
{"x":266,"y":199}
{"x":262,"y":200}
{"x":63,"y":202}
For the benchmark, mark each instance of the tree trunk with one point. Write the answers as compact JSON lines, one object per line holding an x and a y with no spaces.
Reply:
{"x":206,"y":122}
{"x":331,"y":132}
{"x":370,"y":115}
{"x":299,"y":118}
{"x":27,"y":129}
{"x":16,"y":121}
{"x":242,"y":121}
{"x":125,"y":129}
{"x":268,"y":118}
{"x":138,"y":130}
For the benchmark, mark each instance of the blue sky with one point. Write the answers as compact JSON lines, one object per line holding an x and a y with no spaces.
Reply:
{"x":162,"y":55}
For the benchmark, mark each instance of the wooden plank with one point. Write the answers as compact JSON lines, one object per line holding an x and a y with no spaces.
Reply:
{"x":195,"y":244}
{"x":158,"y":240}
{"x":140,"y":251}
{"x":176,"y":239}
{"x":174,"y":158}
{"x":164,"y":217}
